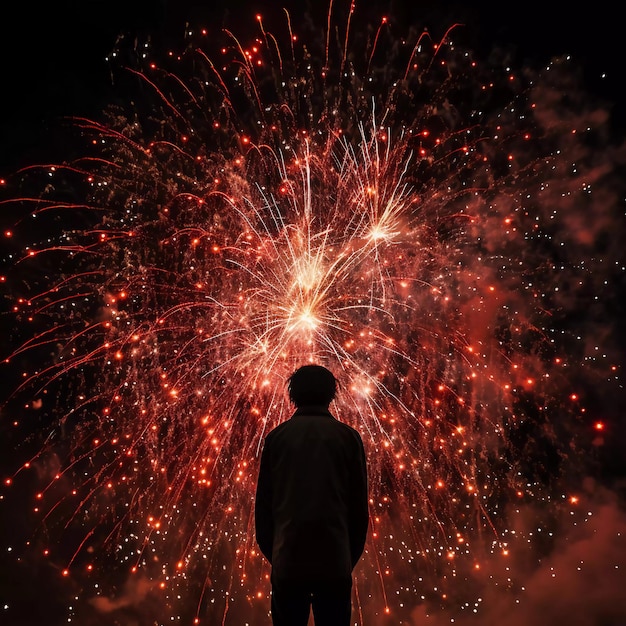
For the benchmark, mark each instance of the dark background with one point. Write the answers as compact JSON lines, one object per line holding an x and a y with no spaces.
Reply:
{"x":53,"y":53}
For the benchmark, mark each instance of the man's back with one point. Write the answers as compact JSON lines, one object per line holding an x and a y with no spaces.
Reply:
{"x":313,"y":477}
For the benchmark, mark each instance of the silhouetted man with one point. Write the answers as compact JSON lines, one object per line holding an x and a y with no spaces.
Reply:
{"x":311,"y":509}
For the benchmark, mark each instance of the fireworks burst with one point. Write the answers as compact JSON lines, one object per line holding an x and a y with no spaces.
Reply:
{"x":391,"y":209}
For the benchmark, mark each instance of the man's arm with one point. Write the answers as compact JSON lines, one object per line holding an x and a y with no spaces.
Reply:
{"x":359,"y":510}
{"x":263,"y":519}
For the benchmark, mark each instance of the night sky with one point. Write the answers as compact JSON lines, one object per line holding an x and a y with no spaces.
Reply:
{"x":53,"y":67}
{"x":54,"y":53}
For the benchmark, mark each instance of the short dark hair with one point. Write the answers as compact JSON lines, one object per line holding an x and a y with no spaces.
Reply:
{"x":312,"y":385}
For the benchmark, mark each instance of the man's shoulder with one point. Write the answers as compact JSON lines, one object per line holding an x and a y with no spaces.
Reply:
{"x":350,"y":429}
{"x":332,"y":423}
{"x":276,"y":430}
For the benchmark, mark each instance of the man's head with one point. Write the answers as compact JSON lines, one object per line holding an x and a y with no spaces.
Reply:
{"x":312,"y":385}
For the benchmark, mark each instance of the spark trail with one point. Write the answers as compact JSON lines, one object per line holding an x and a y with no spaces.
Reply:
{"x":260,"y":205}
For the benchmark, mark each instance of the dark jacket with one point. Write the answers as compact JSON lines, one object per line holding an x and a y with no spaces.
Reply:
{"x":311,"y":511}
